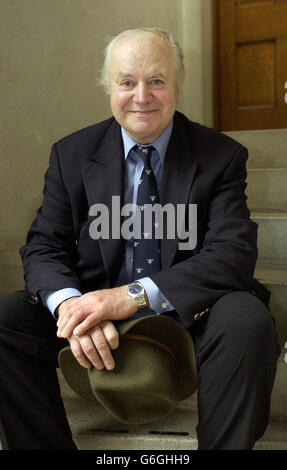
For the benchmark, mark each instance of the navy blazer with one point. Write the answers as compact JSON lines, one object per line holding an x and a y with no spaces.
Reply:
{"x":202,"y":166}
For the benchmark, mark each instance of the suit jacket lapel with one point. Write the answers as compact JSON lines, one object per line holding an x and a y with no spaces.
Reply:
{"x":103,"y":176}
{"x":178,"y":175}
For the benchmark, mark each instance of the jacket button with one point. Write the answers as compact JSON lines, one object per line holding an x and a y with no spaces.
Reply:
{"x":34,"y":299}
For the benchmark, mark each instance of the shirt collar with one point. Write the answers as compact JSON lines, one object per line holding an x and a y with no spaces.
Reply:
{"x":160,"y":144}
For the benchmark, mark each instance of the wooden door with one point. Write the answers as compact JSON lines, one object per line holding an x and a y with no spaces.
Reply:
{"x":252,"y":64}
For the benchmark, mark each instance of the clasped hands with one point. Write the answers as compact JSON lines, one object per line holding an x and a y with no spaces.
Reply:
{"x":87,"y":323}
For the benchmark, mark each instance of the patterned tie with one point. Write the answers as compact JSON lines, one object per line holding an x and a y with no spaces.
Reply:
{"x":146,"y":259}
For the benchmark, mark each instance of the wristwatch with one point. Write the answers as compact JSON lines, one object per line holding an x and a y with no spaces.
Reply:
{"x":136,"y":290}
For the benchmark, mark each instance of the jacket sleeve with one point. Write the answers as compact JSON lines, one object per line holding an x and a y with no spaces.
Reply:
{"x":49,"y":255}
{"x":226,"y":259}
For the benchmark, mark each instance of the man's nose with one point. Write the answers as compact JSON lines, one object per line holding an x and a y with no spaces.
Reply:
{"x":142,"y":93}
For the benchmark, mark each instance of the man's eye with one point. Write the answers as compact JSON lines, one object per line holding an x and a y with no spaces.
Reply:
{"x":126,"y":83}
{"x":157,"y":82}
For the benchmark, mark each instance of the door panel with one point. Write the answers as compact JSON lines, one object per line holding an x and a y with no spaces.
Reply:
{"x":252,"y":55}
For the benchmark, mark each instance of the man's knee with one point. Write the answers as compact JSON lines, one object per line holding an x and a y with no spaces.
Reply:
{"x":244,"y":322}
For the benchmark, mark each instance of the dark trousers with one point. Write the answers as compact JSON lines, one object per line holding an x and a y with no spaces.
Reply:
{"x":236,"y":350}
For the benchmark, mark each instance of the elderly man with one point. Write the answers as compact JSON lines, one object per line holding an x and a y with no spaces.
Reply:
{"x":77,"y":286}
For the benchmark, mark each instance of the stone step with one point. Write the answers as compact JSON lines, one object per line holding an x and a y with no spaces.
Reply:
{"x":275,"y":438}
{"x":266,"y":189}
{"x":175,"y":432}
{"x":267,"y":148}
{"x":272,"y":236}
{"x":94,"y":429}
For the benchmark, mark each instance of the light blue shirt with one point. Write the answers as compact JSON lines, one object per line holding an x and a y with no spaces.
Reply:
{"x":133,"y":170}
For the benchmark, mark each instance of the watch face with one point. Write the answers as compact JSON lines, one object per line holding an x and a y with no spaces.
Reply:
{"x":135,"y":289}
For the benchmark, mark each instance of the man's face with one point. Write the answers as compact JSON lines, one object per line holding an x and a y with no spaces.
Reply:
{"x":142,"y":81}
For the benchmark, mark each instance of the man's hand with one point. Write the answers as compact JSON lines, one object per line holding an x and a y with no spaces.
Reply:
{"x":94,"y":347}
{"x":79,"y":314}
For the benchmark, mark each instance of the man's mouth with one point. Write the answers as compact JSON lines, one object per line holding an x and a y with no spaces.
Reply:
{"x":142,"y":112}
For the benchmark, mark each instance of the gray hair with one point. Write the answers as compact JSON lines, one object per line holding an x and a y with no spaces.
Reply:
{"x":177,"y":53}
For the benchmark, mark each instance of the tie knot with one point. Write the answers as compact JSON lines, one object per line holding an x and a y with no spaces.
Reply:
{"x":144,"y":154}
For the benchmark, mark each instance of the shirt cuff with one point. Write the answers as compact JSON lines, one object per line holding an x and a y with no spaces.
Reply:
{"x":158,"y":302}
{"x":53,"y":299}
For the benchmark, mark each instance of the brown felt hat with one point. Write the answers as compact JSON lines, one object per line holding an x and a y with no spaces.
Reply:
{"x":155,"y":369}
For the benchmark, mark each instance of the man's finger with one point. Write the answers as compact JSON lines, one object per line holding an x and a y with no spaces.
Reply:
{"x":78,"y":353}
{"x":102,"y":347}
{"x":82,"y":327}
{"x":86,"y":310}
{"x":90,"y":351}
{"x":65,"y":330}
{"x":111,"y":333}
{"x":65,"y":310}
